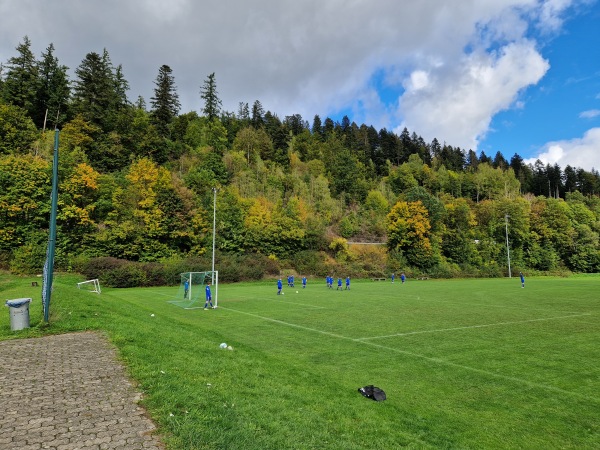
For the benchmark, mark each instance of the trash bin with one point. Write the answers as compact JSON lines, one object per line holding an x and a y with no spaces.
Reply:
{"x":19,"y":313}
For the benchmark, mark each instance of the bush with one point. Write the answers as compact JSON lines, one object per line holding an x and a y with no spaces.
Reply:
{"x":156,"y":274}
{"x":445,"y":270}
{"x":98,"y":267}
{"x":29,"y":259}
{"x":310,"y":262}
{"x":249,"y":267}
{"x":127,"y":275}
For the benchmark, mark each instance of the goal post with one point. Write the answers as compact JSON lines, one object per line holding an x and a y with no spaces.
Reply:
{"x":90,"y":286}
{"x":192,"y":287}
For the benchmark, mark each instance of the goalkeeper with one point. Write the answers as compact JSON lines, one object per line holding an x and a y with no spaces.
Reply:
{"x":208,"y":297}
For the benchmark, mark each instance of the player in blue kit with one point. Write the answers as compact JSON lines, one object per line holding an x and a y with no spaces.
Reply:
{"x":303,"y":282}
{"x":402,"y":277}
{"x":393,"y":276}
{"x":522,"y":279}
{"x":208,"y":297}
{"x":339,"y":286}
{"x":348,"y":283}
{"x":279,"y":286}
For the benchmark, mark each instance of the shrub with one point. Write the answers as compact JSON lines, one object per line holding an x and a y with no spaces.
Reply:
{"x":127,"y":275}
{"x":310,"y":262}
{"x":233,"y":267}
{"x":28,"y":259}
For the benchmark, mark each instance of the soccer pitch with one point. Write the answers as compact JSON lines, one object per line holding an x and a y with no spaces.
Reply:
{"x":464,"y":363}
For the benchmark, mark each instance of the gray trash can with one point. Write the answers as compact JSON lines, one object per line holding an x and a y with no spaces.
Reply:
{"x":19,"y":313}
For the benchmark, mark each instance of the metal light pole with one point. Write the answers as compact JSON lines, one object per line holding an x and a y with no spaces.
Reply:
{"x":214,"y":228}
{"x":49,"y":265}
{"x":506,"y":216}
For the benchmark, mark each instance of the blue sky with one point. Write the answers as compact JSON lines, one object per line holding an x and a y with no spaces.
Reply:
{"x":516,"y":76}
{"x":565,"y":103}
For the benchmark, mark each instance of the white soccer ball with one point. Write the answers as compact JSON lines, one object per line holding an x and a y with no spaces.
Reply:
{"x":283,"y":293}
{"x":223,"y":345}
{"x":296,"y":292}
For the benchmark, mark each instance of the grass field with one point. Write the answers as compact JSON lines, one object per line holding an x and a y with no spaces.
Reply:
{"x":464,"y":363}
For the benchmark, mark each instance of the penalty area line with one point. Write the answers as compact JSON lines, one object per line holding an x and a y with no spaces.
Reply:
{"x":497,"y":324}
{"x":519,"y":381}
{"x":293,"y":325}
{"x":291,"y":303}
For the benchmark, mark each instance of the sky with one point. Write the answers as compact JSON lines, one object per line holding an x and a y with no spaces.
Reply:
{"x":515,"y":76}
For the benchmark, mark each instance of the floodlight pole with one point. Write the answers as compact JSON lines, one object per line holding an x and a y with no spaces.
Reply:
{"x":506,"y":216}
{"x":49,"y":265}
{"x":214,"y":229}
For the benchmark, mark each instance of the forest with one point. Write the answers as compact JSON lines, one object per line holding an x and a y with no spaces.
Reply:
{"x":138,"y":181}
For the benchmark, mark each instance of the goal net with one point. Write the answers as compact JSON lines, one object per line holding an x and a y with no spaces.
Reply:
{"x":192,"y":288}
{"x":90,"y":285}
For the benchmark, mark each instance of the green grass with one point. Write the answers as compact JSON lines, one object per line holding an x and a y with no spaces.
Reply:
{"x":464,"y":363}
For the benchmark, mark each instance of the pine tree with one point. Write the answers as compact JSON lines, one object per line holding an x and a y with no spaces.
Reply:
{"x":165,"y":103}
{"x":317,"y":127}
{"x":99,"y":92}
{"x":243,"y":112}
{"x":258,"y":114}
{"x":121,"y":88}
{"x":53,"y":90}
{"x":212,"y":103}
{"x":21,"y":81}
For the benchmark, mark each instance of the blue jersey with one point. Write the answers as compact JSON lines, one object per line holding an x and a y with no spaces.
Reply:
{"x":279,"y":284}
{"x":348,"y":281}
{"x":339,"y":281}
{"x":208,"y":294}
{"x":303,"y":281}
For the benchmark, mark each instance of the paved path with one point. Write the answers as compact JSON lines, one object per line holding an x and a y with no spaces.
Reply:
{"x":69,"y":392}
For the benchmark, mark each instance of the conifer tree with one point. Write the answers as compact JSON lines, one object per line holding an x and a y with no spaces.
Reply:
{"x":95,"y":94}
{"x":212,"y":103}
{"x":21,"y":80}
{"x":53,"y":90}
{"x":258,"y":114}
{"x":165,"y":103}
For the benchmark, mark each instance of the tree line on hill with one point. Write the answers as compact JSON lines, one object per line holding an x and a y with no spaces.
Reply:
{"x":136,"y":183}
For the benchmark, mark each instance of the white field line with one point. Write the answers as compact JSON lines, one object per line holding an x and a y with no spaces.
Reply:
{"x":486,"y":373}
{"x":440,"y":361}
{"x":293,"y":325}
{"x":441,"y":330}
{"x":524,"y":308}
{"x":291,"y":303}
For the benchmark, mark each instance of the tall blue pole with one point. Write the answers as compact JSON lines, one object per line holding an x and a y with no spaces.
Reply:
{"x":49,"y":266}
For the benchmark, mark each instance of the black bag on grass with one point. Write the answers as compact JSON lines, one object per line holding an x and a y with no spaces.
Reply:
{"x":373,"y":392}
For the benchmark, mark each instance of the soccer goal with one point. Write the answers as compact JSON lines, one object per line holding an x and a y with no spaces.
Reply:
{"x":90,"y":285}
{"x":192,"y":288}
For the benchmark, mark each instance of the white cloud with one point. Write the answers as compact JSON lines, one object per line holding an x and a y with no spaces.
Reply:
{"x":589,"y":114}
{"x":578,"y":153}
{"x":550,"y":14}
{"x":460,"y":62}
{"x":458,"y":102}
